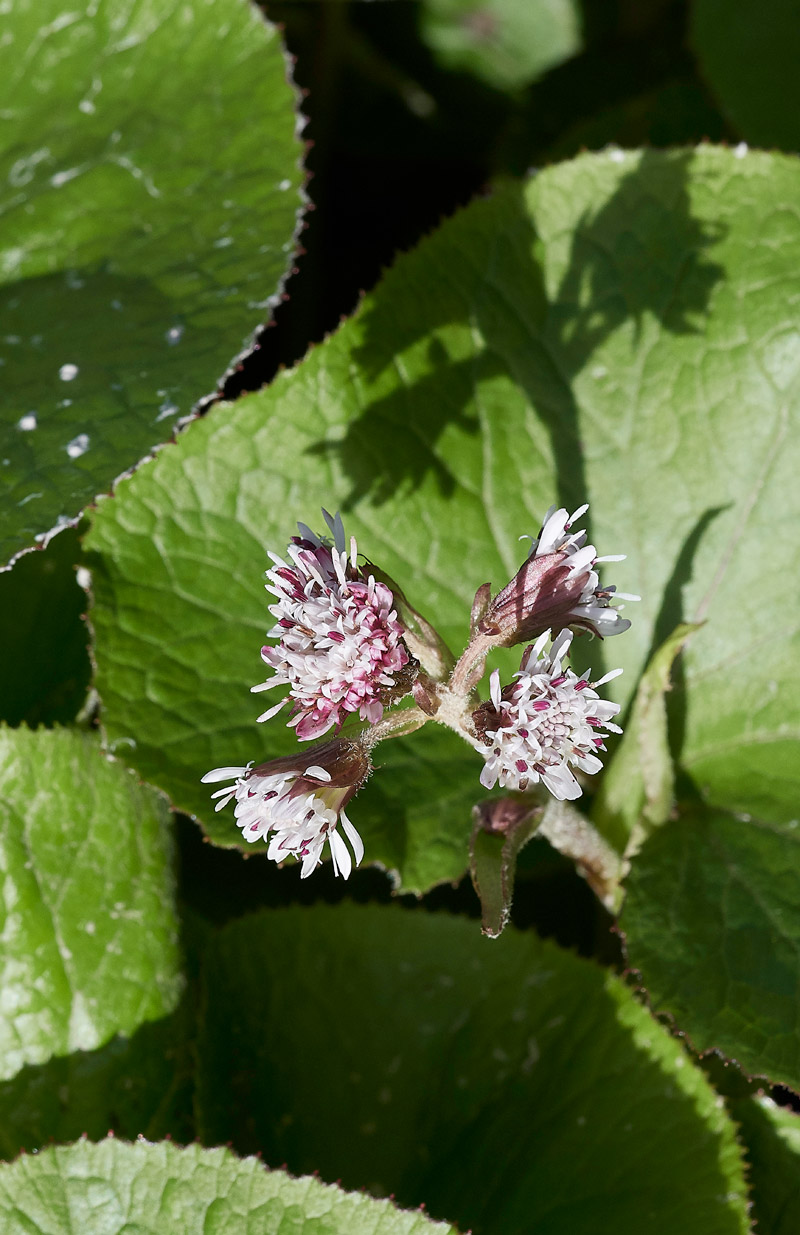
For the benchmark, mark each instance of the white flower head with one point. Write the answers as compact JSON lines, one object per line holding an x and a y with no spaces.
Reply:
{"x":296,"y":806}
{"x":339,"y":642}
{"x":556,"y":588}
{"x":547,"y":722}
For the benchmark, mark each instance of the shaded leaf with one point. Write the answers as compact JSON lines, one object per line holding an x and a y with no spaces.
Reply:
{"x":114,"y":1188}
{"x":771,"y":1137}
{"x":137,"y":1084}
{"x":506,"y":43}
{"x":148,"y":219}
{"x":45,"y":667}
{"x":710,"y":919}
{"x":88,"y":928}
{"x":749,"y":53}
{"x":507,"y":1083}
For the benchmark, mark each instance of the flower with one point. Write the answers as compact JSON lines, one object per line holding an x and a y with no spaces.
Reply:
{"x":340,"y":647}
{"x":547,"y":720}
{"x":556,"y":588}
{"x":296,"y":811}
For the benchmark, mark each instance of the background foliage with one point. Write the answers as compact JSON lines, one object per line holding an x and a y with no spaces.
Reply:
{"x":619,"y":326}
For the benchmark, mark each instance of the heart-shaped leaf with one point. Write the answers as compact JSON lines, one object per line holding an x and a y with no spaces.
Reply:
{"x":509,"y":1084}
{"x":710,"y":917}
{"x":89,"y":934}
{"x":116,"y":1189}
{"x":148,"y":220}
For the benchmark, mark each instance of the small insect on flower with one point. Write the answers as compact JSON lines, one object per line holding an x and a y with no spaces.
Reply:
{"x":556,"y":588}
{"x":548,"y":721}
{"x":339,"y":641}
{"x":297,"y":806}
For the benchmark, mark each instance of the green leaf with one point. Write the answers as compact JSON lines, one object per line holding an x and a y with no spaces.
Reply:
{"x":710,"y":918}
{"x":89,"y":938}
{"x":509,"y":1084}
{"x":45,"y":667}
{"x":137,"y":1085}
{"x":749,"y":52}
{"x":771,"y":1137}
{"x":148,"y":220}
{"x":111,"y":1188}
{"x":506,"y":43}
{"x":619,"y":328}
{"x":636,"y":794}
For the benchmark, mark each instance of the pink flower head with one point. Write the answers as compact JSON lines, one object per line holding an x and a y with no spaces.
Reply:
{"x":556,"y":588}
{"x":339,"y":642}
{"x":298,"y":811}
{"x":545,"y":722}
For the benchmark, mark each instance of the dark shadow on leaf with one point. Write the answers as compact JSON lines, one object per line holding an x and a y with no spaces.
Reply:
{"x":641,"y":255}
{"x":142,"y":1084}
{"x":399,"y":445}
{"x":670,"y":615}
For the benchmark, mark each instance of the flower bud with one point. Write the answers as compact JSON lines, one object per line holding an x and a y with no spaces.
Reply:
{"x":555,"y":589}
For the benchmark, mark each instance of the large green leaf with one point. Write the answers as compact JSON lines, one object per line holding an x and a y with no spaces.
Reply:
{"x":506,"y":43}
{"x":88,"y":928}
{"x":620,"y":328}
{"x":771,"y":1136}
{"x":148,"y":219}
{"x":508,"y":1085}
{"x":711,"y":923}
{"x":150,"y":1189}
{"x":749,"y":51}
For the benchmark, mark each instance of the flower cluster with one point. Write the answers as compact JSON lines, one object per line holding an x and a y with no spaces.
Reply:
{"x":339,"y":643}
{"x":297,"y":811}
{"x":340,"y":648}
{"x":548,"y":721}
{"x":556,"y":588}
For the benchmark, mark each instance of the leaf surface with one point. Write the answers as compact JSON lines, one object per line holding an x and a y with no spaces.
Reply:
{"x":622,"y":328}
{"x":148,"y":220}
{"x":748,"y":52}
{"x":636,"y":794}
{"x":45,"y":667}
{"x":507,"y":1084}
{"x":506,"y":43}
{"x":710,"y":919}
{"x":88,"y":927}
{"x":771,"y":1136}
{"x":117,"y":1189}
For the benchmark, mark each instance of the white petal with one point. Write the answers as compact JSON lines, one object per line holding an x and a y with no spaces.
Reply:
{"x":270,"y":712}
{"x":254,"y":690}
{"x":540,"y":642}
{"x":561,"y":646}
{"x":318,"y":773}
{"x":488,"y":776}
{"x":494,"y":688}
{"x":353,"y":837}
{"x":222,"y":774}
{"x":582,"y":560}
{"x":342,"y":862}
{"x":615,"y":673}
